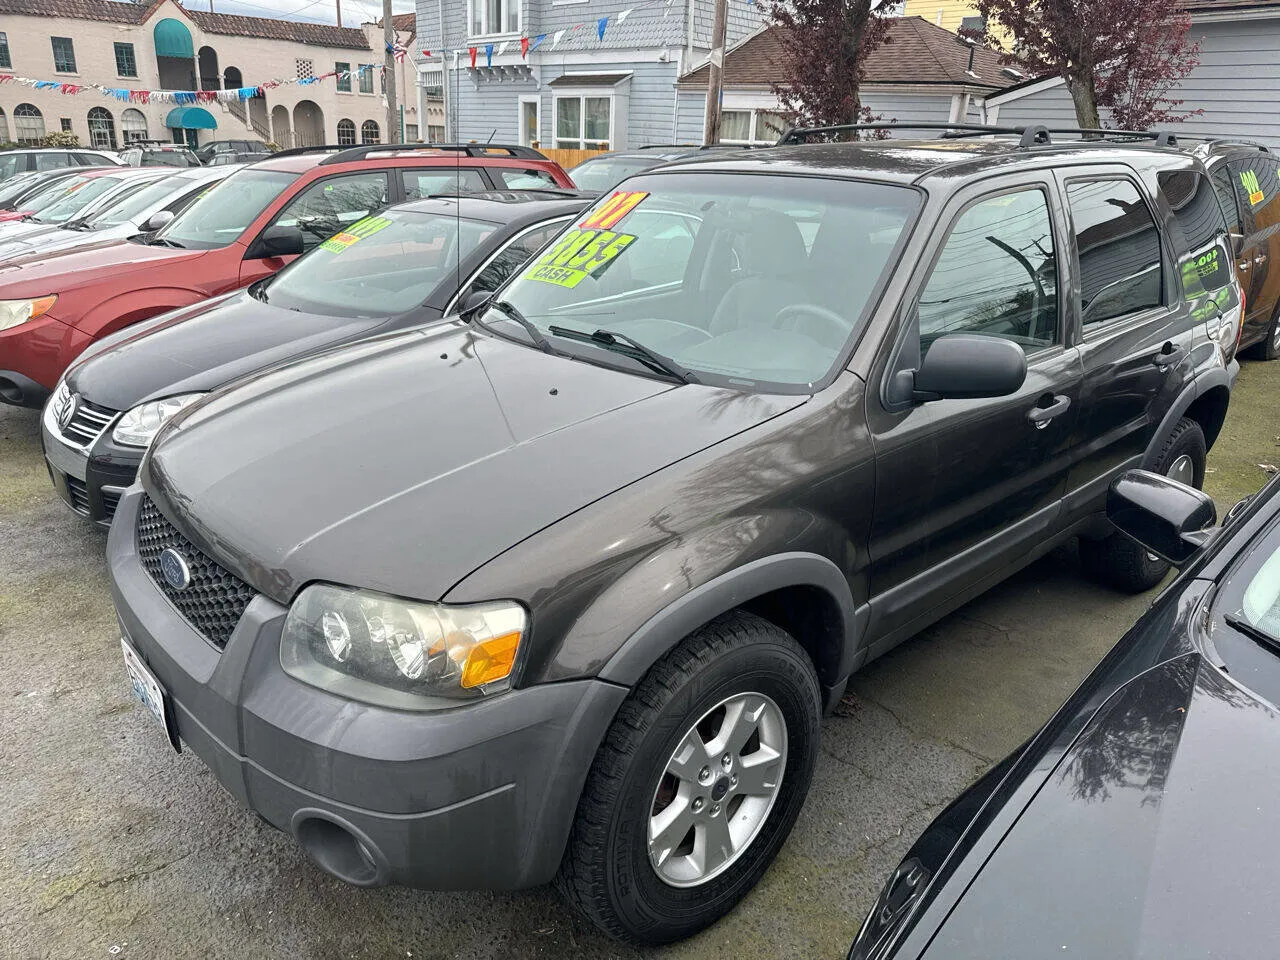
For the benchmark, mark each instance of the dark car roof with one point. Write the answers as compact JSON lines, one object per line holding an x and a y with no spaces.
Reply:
{"x":661,"y":153}
{"x":506,"y":207}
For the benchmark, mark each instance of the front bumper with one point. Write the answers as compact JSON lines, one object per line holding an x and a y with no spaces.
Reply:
{"x":32,"y":357}
{"x":476,"y":797}
{"x":89,"y":478}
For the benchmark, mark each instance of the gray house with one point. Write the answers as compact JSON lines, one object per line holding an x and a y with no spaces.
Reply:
{"x":1237,"y":83}
{"x":571,"y":90}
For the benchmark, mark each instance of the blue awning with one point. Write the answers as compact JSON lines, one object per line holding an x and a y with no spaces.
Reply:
{"x":173,"y":39}
{"x":190,"y":118}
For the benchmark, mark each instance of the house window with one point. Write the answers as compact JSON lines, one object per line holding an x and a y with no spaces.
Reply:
{"x":344,"y":82}
{"x":976,"y":24}
{"x":4,"y":128}
{"x":305,"y":68}
{"x":5,"y":60}
{"x":64,"y":55}
{"x":494,"y":16}
{"x":126,"y":62}
{"x":582,"y":123}
{"x":435,"y":134}
{"x":346,"y":133}
{"x":751,"y":126}
{"x":133,"y":125}
{"x":411,"y":133}
{"x":28,"y":125}
{"x":369,"y":132}
{"x":102,"y":129}
{"x":366,"y":78}
{"x":433,"y":83}
{"x":65,"y":124}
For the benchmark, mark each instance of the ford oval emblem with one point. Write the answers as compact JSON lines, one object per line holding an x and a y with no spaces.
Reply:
{"x":174,"y":567}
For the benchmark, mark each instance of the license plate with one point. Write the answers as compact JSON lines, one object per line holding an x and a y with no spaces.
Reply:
{"x":147,"y":689}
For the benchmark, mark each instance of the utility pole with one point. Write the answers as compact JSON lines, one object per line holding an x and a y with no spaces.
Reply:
{"x":711,"y":123}
{"x":339,"y":3}
{"x":389,"y":69}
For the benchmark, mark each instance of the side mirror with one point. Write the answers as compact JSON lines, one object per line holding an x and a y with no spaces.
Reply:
{"x":474,"y":301}
{"x":1169,"y":518}
{"x":277,"y":241}
{"x":962,"y":366}
{"x":157,"y":220}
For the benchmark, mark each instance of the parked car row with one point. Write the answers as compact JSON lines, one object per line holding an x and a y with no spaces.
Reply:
{"x":16,"y":161}
{"x":481,"y":537}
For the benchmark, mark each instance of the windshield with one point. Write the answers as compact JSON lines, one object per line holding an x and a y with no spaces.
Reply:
{"x":218,"y":217}
{"x":606,"y":172}
{"x":168,"y":158}
{"x":748,"y":281}
{"x":135,"y":204}
{"x":75,"y":198}
{"x":378,"y":267}
{"x":11,"y":189}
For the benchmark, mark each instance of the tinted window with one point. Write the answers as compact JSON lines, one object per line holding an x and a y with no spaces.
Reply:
{"x":606,"y":172}
{"x":996,"y":275}
{"x":326,"y":207}
{"x":1118,"y":248}
{"x":514,"y":179}
{"x":1257,"y":184}
{"x":1203,"y":263}
{"x":446,"y":181}
{"x":1226,"y":193}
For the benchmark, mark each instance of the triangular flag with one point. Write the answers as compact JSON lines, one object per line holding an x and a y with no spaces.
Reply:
{"x":624,"y":14}
{"x":472,"y":51}
{"x":555,"y":40}
{"x":426,"y":52}
{"x":524,"y":47}
{"x":488,"y":54}
{"x":537,"y":41}
{"x":502,"y":47}
{"x":600,"y":25}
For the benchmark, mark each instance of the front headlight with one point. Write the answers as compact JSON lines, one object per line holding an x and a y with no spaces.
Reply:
{"x":139,"y":426}
{"x":15,"y":312}
{"x":400,"y":653}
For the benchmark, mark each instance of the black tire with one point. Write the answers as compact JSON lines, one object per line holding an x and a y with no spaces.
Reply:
{"x":606,"y":874}
{"x":1267,"y":348}
{"x":1121,"y":562}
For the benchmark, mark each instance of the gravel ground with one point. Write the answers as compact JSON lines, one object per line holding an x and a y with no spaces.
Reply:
{"x":115,"y":846}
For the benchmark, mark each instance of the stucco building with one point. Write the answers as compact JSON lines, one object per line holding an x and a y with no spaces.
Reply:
{"x":161,"y":45}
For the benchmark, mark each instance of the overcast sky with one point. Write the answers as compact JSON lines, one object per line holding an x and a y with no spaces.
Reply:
{"x":354,"y":12}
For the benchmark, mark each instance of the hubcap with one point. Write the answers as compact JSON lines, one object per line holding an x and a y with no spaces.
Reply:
{"x":1275,"y":335}
{"x":717,"y":789}
{"x":1183,"y":470}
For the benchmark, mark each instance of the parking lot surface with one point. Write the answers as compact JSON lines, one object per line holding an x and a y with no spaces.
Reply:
{"x":114,"y":845}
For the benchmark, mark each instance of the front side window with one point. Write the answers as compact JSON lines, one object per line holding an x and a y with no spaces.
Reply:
{"x":749,"y":281}
{"x":64,"y":55}
{"x":344,"y":76}
{"x":996,"y":275}
{"x":220,"y":216}
{"x":328,"y":206}
{"x":1118,"y":249}
{"x":494,"y":16}
{"x":583,"y":123}
{"x":442,"y":182}
{"x":379,"y":266}
{"x":126,"y":62}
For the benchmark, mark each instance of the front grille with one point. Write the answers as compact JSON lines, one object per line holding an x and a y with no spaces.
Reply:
{"x":109,"y":503}
{"x":79,"y":494}
{"x":88,"y":422}
{"x":214,"y":600}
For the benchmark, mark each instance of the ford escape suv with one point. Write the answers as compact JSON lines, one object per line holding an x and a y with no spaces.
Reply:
{"x":559,"y":590}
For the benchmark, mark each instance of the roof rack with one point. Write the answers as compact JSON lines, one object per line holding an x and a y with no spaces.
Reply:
{"x":351,"y":154}
{"x":1029,"y":136}
{"x":1227,"y":142}
{"x":321,"y":148}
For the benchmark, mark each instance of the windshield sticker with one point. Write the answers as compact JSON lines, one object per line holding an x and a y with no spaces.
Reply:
{"x":614,"y":209}
{"x":356,"y":232}
{"x":1250,"y":180}
{"x":579,"y":255}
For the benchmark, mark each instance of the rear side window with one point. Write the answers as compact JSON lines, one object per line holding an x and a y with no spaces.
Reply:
{"x":446,"y":181}
{"x":515,"y":179}
{"x":996,"y":275}
{"x":1118,"y":248}
{"x":1257,"y":184}
{"x":1203,"y":261}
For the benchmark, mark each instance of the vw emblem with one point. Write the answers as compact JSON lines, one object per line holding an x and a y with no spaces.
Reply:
{"x":174,"y":567}
{"x":68,"y":412}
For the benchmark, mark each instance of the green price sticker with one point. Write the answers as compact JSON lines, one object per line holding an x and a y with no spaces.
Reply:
{"x":578,"y":255}
{"x":358,"y":231}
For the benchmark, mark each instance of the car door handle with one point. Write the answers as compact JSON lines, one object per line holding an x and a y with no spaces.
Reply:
{"x":1044,"y":411}
{"x":1260,"y":259}
{"x":1169,"y":354}
{"x":1244,"y":265}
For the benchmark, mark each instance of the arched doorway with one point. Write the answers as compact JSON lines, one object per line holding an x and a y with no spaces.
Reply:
{"x":210,"y":75}
{"x":232,"y":79}
{"x":308,"y":124}
{"x":369,"y":132}
{"x":281,"y":132}
{"x":102,"y":129}
{"x":133,"y":125}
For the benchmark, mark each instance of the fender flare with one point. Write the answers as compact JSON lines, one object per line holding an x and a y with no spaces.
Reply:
{"x":661,"y":632}
{"x":1217,"y":377}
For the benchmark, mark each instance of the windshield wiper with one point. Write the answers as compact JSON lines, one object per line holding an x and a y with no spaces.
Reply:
{"x":162,"y":242}
{"x":512,"y":312}
{"x":1254,"y":633}
{"x":621,"y":343}
{"x":78,"y":224}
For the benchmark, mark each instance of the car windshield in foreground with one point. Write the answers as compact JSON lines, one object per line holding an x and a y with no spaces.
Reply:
{"x":219,"y":217}
{"x":1260,"y":605}
{"x":132,"y":205}
{"x":76,"y":198}
{"x":744,"y":280}
{"x":380,"y":266}
{"x":606,"y":172}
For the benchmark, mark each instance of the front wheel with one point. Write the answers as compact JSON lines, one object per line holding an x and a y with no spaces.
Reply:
{"x":697,"y":785}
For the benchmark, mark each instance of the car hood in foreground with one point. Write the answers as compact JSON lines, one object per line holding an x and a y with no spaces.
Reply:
{"x":1154,"y":837}
{"x":405,"y":462}
{"x":200,"y":348}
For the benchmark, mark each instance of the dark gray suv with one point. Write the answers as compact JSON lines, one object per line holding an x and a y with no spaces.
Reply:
{"x":561,"y":590}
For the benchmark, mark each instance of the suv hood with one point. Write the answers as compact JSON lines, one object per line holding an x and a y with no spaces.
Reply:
{"x":38,"y":274}
{"x":201,"y":348}
{"x":1152,"y":838}
{"x":405,"y":462}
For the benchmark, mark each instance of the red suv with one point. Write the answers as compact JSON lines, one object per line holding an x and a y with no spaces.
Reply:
{"x":52,"y":306}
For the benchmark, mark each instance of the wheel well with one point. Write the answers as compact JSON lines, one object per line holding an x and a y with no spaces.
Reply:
{"x":1210,"y":410}
{"x":813,"y":617}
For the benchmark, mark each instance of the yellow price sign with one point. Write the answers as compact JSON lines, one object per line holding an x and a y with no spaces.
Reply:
{"x":355,"y":233}
{"x":577,"y":256}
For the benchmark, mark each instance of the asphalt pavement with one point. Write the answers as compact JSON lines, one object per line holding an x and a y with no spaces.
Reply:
{"x":112,"y":845}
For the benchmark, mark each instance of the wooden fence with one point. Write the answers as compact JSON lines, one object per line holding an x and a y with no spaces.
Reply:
{"x":569,"y":158}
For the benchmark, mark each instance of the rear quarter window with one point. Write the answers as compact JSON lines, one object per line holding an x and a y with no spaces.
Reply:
{"x":1203,"y":262}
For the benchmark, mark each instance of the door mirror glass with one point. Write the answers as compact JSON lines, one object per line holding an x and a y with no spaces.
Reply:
{"x":157,"y":220}
{"x":278,"y":241}
{"x":967,"y":366}
{"x":1169,"y":518}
